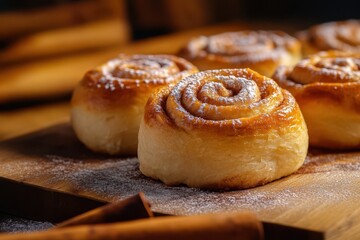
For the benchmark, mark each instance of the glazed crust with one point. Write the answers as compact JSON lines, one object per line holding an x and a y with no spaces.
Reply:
{"x":327,"y":87}
{"x":108,"y":103}
{"x":342,"y":35}
{"x":222,"y":129}
{"x":261,"y":51}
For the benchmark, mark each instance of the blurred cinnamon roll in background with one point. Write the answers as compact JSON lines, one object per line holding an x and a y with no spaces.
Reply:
{"x":342,"y":35}
{"x":262,"y":51}
{"x":222,"y":129}
{"x":108,"y":103}
{"x":327,"y":88}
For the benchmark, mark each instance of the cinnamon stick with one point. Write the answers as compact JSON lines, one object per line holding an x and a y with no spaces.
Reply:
{"x":239,"y":225}
{"x":132,"y":208}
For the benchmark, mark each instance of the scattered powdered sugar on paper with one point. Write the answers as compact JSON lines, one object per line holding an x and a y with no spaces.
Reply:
{"x":16,"y":224}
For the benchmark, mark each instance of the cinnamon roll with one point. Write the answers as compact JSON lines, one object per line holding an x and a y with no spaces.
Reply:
{"x":108,"y":103}
{"x":222,"y":129}
{"x":262,"y":51}
{"x":327,"y":88}
{"x":344,"y":36}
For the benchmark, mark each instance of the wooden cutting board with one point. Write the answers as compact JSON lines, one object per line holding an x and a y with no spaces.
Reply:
{"x":323,"y":197}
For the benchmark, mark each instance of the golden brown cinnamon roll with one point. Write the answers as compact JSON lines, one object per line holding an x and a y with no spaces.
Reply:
{"x":222,"y":129}
{"x":108,"y":103}
{"x":344,"y":36}
{"x":262,"y":51}
{"x":327,"y":88}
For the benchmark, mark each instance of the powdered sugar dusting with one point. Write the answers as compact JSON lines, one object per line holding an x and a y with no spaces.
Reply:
{"x":331,"y":162}
{"x":244,"y":46}
{"x":114,"y":179}
{"x":215,"y":97}
{"x":325,"y":179}
{"x":129,"y":71}
{"x":341,"y":35}
{"x":15,"y":224}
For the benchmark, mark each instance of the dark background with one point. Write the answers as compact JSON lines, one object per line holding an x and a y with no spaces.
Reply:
{"x":304,"y":13}
{"x":153,"y":17}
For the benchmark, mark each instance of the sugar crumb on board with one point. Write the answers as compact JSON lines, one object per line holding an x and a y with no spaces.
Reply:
{"x":115,"y":179}
{"x":15,"y":224}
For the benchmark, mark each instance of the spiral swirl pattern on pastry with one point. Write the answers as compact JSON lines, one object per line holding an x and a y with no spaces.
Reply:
{"x":327,"y":86}
{"x":236,"y":115}
{"x":108,"y":103}
{"x":260,"y":50}
{"x":226,"y":98}
{"x":343,"y":35}
{"x":129,"y":71}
